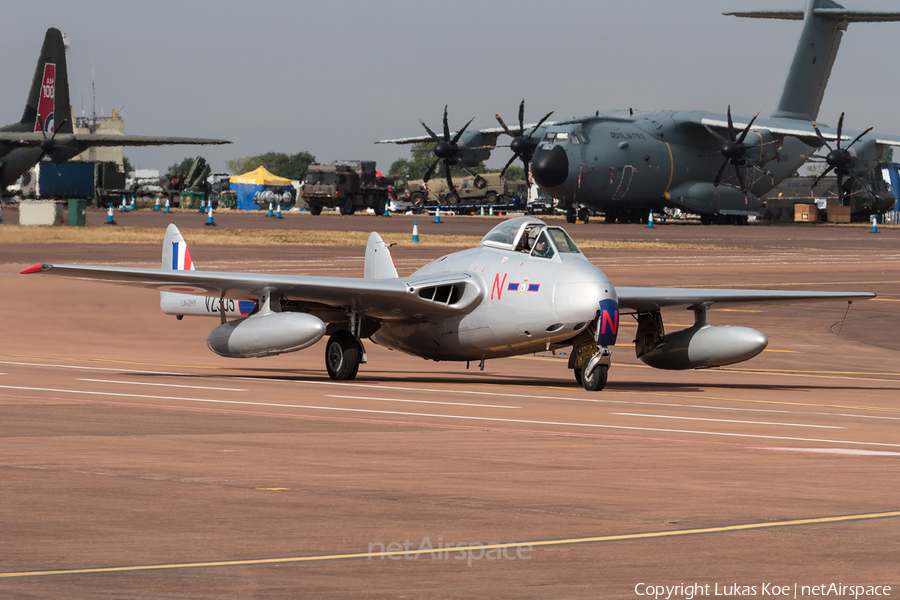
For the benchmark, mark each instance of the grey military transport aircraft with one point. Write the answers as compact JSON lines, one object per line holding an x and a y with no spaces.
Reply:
{"x":47,"y":111}
{"x":626,"y":163}
{"x":525,"y":288}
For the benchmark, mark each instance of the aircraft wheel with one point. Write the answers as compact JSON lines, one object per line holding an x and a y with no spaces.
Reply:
{"x":706,"y":219}
{"x":583,"y":214}
{"x":610,"y":217}
{"x":342,"y":356}
{"x":597,"y":380}
{"x":577,"y":374}
{"x":570,"y":215}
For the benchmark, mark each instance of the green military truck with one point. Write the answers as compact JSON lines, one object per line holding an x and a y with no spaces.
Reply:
{"x":345,"y":185}
{"x":471,"y":194}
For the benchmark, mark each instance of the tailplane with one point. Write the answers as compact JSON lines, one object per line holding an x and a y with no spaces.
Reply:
{"x":824,"y":22}
{"x":47,"y":107}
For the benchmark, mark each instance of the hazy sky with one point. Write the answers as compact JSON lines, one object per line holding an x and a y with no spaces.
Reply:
{"x":330,"y":78}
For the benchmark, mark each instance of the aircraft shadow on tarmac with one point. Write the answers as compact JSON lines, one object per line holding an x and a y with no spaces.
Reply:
{"x":477,"y":378}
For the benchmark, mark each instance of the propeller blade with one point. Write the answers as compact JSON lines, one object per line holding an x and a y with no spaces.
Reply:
{"x":821,"y":137}
{"x":525,"y":164}
{"x":717,"y":135}
{"x":740,"y":178}
{"x":851,"y":143}
{"x":509,"y":162}
{"x":747,"y":129}
{"x":862,"y":184}
{"x":430,"y":132}
{"x":522,"y":118}
{"x":840,"y":183}
{"x":731,"y":135}
{"x":449,"y":180}
{"x":840,"y":127}
{"x":461,"y":131}
{"x":503,"y":125}
{"x":719,"y":174}
{"x":430,"y":171}
{"x":541,"y":122}
{"x":824,"y":173}
{"x":446,"y":126}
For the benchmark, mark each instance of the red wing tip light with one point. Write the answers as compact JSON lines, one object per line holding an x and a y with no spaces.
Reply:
{"x":35,"y":269}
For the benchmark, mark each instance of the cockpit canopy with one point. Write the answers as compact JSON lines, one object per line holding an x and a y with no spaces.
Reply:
{"x":523,"y":234}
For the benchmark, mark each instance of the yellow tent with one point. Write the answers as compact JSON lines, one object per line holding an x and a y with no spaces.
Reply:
{"x":260,"y":177}
{"x":248,"y":184}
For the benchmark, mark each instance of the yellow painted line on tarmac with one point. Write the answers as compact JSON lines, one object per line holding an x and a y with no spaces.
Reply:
{"x":787,"y":351}
{"x":467,"y":548}
{"x":885,"y":299}
{"x":273,"y":489}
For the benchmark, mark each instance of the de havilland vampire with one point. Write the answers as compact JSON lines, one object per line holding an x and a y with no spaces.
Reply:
{"x":525,"y":288}
{"x":45,"y":128}
{"x":625,"y":163}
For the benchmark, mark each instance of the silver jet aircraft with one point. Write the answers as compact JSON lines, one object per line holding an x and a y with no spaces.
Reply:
{"x":525,"y":288}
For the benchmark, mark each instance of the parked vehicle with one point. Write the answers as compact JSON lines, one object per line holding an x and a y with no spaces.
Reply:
{"x":346,"y":185}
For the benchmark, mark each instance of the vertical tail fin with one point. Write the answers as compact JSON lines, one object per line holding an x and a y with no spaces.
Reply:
{"x":379,"y":264}
{"x":824,"y":22}
{"x":48,"y":100}
{"x":175,"y":253}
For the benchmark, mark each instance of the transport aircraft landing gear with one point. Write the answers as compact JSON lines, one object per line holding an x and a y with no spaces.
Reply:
{"x":342,"y":356}
{"x":577,"y":374}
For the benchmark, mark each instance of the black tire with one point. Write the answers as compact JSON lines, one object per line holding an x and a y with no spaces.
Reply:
{"x":342,"y":356}
{"x":570,"y":215}
{"x":416,"y":197}
{"x":577,"y":374}
{"x":451,"y":198}
{"x":380,"y":205}
{"x":583,"y":214}
{"x":315,"y":209}
{"x":490,"y":198}
{"x":597,"y":380}
{"x":706,"y":219}
{"x":610,"y":217}
{"x":348,"y":205}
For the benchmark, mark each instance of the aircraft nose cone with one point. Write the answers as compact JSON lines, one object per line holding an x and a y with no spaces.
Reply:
{"x":550,"y":168}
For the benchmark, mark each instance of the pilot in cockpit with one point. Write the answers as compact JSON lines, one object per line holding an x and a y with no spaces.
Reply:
{"x":542,"y":247}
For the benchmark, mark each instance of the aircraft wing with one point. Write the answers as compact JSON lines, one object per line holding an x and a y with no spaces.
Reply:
{"x":488,"y":135}
{"x":650,"y":299}
{"x":398,"y":299}
{"x":11,"y":138}
{"x":791,"y":127}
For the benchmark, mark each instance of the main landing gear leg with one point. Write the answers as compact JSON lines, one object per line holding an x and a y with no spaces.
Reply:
{"x":595,"y":371}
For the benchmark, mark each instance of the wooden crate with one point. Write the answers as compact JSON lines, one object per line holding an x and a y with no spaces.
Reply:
{"x":806,"y":213}
{"x":838,"y":214}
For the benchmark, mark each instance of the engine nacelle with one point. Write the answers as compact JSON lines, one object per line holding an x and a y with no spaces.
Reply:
{"x":762,"y":146}
{"x":266,"y":335}
{"x":704,"y":346}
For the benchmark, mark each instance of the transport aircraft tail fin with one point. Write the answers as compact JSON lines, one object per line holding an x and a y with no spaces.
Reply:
{"x":379,"y":263}
{"x":48,"y":105}
{"x":824,"y":22}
